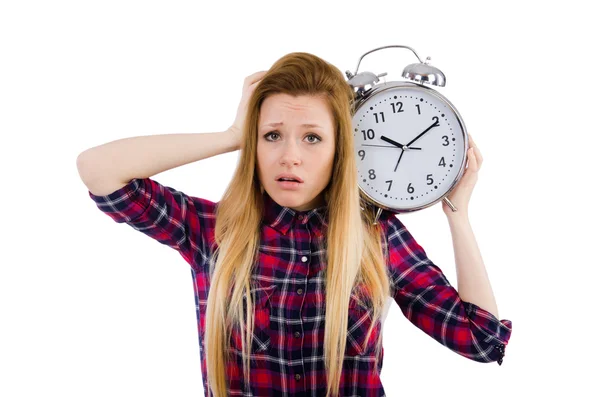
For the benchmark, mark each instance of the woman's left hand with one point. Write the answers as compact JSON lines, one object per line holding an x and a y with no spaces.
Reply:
{"x":461,"y":193}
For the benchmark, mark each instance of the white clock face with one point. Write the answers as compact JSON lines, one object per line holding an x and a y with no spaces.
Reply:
{"x":434,"y":141}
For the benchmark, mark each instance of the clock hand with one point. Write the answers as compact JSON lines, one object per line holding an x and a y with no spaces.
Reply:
{"x":409,"y":148}
{"x":388,"y":140}
{"x":399,"y":158}
{"x":436,"y":124}
{"x":403,"y":147}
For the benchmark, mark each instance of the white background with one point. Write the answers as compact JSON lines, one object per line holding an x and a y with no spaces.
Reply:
{"x":89,"y":307}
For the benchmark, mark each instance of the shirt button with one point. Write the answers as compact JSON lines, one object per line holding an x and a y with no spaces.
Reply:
{"x":298,"y":376}
{"x":300,"y":217}
{"x":304,"y":259}
{"x":299,"y":291}
{"x":297,"y":334}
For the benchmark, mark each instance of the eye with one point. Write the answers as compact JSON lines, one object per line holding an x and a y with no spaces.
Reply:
{"x":266,"y":136}
{"x":316,"y":136}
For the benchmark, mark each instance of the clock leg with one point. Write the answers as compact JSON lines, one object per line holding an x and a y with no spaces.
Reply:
{"x":379,"y":211}
{"x":449,"y":203}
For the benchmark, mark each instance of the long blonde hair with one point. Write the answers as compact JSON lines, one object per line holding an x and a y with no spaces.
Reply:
{"x":355,"y":250}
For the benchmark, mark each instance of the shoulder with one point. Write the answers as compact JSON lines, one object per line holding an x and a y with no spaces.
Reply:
{"x":396,"y":234}
{"x":389,"y":221}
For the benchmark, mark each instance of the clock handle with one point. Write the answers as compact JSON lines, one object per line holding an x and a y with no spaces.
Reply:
{"x":449,"y":203}
{"x":380,"y":48}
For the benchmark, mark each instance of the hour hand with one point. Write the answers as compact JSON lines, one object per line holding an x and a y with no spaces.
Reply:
{"x":393,"y":142}
{"x":401,"y":146}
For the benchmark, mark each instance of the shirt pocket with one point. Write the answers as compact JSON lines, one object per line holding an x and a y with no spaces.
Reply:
{"x":360,"y":318}
{"x":261,"y":338}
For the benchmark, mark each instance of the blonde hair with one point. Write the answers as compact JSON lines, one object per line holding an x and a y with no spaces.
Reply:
{"x":354,"y":254}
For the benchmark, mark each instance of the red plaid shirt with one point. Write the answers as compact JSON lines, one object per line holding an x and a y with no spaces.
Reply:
{"x":287,"y":348}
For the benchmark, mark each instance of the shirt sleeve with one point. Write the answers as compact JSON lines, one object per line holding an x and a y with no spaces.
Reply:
{"x":427,"y":300}
{"x":171,"y":217}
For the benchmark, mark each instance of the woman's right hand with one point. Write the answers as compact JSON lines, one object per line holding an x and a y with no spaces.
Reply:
{"x":236,"y":128}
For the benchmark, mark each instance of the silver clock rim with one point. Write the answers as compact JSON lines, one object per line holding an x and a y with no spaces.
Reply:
{"x":360,"y":101}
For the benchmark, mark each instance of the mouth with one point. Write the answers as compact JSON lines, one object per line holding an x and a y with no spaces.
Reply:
{"x":289,"y":180}
{"x":288,"y":185}
{"x":288,"y":177}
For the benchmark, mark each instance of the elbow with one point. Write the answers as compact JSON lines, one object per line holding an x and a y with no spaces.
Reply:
{"x":84,"y":164}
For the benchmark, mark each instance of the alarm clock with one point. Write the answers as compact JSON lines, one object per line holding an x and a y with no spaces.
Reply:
{"x":410,"y":142}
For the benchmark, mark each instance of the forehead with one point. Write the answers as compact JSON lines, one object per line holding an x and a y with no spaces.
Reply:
{"x":295,"y":110}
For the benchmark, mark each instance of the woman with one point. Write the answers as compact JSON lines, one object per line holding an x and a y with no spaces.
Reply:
{"x":263,"y":257}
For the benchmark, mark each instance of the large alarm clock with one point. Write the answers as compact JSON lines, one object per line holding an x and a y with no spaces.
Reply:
{"x":410,"y":142}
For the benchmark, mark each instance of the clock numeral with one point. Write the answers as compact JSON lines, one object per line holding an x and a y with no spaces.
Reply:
{"x":437,"y":121}
{"x":361,"y":153}
{"x":447,"y":142}
{"x":418,"y":108}
{"x":372,"y":174}
{"x":442,"y":162}
{"x":368,"y":134}
{"x":429,"y":179}
{"x":410,"y":189}
{"x":377,"y":119}
{"x":394,"y":107}
{"x":389,"y":187}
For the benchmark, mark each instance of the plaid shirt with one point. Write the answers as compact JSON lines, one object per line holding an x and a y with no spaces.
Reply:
{"x":287,"y":347}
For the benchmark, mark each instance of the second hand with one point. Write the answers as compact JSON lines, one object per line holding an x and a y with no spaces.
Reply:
{"x":409,"y":147}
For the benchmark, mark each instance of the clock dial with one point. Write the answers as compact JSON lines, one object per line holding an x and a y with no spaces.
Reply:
{"x":409,"y":145}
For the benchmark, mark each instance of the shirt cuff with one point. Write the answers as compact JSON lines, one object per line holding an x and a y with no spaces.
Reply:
{"x":126,"y":204}
{"x":489,"y":329}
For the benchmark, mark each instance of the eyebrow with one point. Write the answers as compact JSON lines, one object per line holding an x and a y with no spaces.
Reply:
{"x":308,"y":125}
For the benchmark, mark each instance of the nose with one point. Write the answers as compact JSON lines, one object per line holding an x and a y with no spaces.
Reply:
{"x":290,"y":154}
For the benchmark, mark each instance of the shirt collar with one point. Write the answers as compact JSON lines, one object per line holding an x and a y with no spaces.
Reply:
{"x":283,"y":218}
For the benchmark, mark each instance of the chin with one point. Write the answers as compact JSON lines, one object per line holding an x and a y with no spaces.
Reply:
{"x":291,"y":198}
{"x":288,"y":198}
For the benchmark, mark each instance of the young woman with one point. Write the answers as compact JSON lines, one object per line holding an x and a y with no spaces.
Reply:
{"x":291,"y":226}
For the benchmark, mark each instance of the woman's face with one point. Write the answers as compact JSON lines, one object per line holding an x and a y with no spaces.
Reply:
{"x":285,"y":145}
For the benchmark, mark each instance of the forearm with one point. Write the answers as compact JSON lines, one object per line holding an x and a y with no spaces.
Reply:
{"x":473,"y":282}
{"x":145,"y":156}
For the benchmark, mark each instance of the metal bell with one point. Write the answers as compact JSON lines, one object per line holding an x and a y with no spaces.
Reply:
{"x":363,"y":81}
{"x":424,"y":73}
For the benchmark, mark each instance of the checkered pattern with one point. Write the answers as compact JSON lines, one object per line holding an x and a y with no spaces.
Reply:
{"x":288,"y":290}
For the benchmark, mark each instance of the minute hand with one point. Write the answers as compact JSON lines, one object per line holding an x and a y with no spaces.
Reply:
{"x":436,"y":124}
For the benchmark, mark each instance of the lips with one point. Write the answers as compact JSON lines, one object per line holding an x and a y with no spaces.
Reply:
{"x":287,"y":180}
{"x":289,"y":177}
{"x":289,"y":185}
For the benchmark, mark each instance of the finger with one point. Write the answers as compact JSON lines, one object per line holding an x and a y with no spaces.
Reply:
{"x":473,"y":163}
{"x":471,"y":141}
{"x":477,"y":152}
{"x":478,"y":155}
{"x":256,"y":74}
{"x":254,"y":78}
